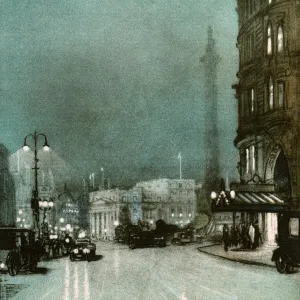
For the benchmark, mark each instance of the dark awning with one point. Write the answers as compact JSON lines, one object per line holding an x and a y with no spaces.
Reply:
{"x":249,"y":202}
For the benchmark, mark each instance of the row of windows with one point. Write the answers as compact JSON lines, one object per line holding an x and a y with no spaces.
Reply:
{"x":247,"y":52}
{"x":275,"y":98}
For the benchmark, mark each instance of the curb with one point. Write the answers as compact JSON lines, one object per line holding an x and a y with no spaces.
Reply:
{"x":243,"y":261}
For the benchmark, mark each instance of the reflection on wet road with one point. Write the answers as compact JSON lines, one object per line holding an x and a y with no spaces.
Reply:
{"x":174,"y":272}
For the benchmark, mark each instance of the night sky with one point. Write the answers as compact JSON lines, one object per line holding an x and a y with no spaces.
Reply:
{"x":117,"y":84}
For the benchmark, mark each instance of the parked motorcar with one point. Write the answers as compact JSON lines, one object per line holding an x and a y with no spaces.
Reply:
{"x":146,"y":239}
{"x":18,"y":250}
{"x":84,"y":249}
{"x":287,"y":255}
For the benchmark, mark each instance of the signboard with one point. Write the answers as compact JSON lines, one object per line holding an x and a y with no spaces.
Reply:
{"x":44,"y":192}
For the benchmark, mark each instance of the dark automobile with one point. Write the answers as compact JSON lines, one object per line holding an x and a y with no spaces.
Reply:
{"x":182,"y":237}
{"x":18,"y":250}
{"x":84,"y":249}
{"x":146,"y":239}
{"x":287,"y":255}
{"x":123,"y":232}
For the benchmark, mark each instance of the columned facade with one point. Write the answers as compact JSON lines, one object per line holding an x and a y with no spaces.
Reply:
{"x":173,"y":201}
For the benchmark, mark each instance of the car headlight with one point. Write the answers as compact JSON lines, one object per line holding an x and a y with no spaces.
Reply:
{"x":86,"y":250}
{"x":2,"y":265}
{"x":75,"y":251}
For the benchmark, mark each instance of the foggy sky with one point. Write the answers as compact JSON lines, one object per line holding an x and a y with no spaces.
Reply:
{"x":117,"y":84}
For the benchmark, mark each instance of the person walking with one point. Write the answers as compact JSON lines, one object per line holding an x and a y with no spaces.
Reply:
{"x":226,"y":237}
{"x":251,"y":233}
{"x":257,"y":236}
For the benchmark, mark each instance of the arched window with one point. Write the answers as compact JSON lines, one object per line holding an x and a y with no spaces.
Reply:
{"x":271,"y":93}
{"x":280,"y":39}
{"x":269,"y":39}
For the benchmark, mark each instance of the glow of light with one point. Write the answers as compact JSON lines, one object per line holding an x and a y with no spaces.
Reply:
{"x":213,"y":195}
{"x":46,"y":148}
{"x":116,"y":223}
{"x":68,"y":227}
{"x":86,"y":284}
{"x":75,"y":287}
{"x":18,"y":219}
{"x":61,"y":220}
{"x":20,"y":211}
{"x":25,"y":148}
{"x":81,"y":235}
{"x":67,"y":281}
{"x":232,"y":194}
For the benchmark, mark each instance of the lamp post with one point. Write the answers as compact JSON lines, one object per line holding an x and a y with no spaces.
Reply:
{"x":35,"y":201}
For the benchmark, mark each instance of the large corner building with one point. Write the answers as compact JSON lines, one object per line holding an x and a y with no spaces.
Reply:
{"x":268,"y":95}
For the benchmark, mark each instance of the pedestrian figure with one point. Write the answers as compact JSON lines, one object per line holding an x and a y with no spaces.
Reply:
{"x":245,"y":237}
{"x":226,"y":237}
{"x":257,"y":236}
{"x":239,"y":234}
{"x":251,"y":233}
{"x":233,"y":235}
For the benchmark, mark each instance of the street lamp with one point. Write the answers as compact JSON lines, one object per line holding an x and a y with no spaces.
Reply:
{"x":35,"y":201}
{"x":44,"y":206}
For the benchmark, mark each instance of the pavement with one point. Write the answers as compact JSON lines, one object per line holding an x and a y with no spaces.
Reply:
{"x":260,"y":256}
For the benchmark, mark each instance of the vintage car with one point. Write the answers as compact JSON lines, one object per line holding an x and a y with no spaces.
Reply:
{"x":84,"y":249}
{"x":18,"y":250}
{"x":287,"y":255}
{"x":182,"y":237}
{"x":146,"y":239}
{"x":123,"y":232}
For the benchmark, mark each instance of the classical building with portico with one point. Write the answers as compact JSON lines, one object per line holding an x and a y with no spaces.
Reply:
{"x":172,"y":200}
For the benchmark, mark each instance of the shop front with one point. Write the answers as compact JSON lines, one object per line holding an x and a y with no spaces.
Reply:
{"x":251,"y":205}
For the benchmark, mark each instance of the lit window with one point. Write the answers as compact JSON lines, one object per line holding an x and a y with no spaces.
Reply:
{"x":281,"y":92}
{"x":280,"y":39}
{"x":269,"y":40}
{"x":294,"y":226}
{"x":251,"y":96}
{"x":247,"y":160}
{"x":271,"y":93}
{"x":252,"y":153}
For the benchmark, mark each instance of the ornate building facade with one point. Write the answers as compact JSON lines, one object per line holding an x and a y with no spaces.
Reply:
{"x":173,"y":200}
{"x":268,"y":92}
{"x":7,"y":191}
